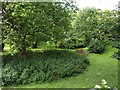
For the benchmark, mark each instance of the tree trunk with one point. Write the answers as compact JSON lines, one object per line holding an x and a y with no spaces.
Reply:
{"x":56,"y":44}
{"x":34,"y":45}
{"x":87,"y":39}
{"x":22,"y":48}
{"x":2,"y":47}
{"x":22,"y":53}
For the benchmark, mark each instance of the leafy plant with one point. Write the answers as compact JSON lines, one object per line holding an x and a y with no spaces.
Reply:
{"x":38,"y":67}
{"x":26,"y":23}
{"x":116,"y":44}
{"x":72,"y":43}
{"x":117,"y":55}
{"x":96,"y":46}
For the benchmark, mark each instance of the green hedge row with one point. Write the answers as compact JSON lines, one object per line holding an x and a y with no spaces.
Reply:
{"x":38,"y":67}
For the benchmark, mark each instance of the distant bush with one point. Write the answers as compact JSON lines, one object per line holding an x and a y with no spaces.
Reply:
{"x":72,"y":43}
{"x":117,"y":55}
{"x":96,"y":46}
{"x":42,"y":66}
{"x":116,"y":44}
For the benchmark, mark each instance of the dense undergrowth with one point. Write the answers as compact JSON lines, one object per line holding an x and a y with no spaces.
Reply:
{"x":96,"y":46}
{"x":38,"y":67}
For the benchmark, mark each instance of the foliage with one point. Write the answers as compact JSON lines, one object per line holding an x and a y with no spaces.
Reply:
{"x":117,"y":55}
{"x":57,"y":23}
{"x":117,"y":36}
{"x":85,"y":24}
{"x":106,"y":24}
{"x":44,"y":66}
{"x":88,"y":24}
{"x":72,"y":43}
{"x":91,"y":23}
{"x":116,"y":44}
{"x":96,"y":46}
{"x":25,"y":23}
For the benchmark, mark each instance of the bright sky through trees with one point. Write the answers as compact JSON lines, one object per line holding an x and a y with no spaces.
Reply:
{"x":101,"y":4}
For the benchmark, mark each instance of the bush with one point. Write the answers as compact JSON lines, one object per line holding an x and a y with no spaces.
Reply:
{"x":72,"y":43}
{"x":42,"y":66}
{"x":117,"y":55}
{"x":96,"y":46}
{"x":116,"y":44}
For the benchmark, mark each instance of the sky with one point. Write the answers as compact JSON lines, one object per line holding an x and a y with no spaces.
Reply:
{"x":102,"y":4}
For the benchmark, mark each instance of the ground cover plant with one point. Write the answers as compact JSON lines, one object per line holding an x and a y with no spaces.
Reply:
{"x":43,"y":66}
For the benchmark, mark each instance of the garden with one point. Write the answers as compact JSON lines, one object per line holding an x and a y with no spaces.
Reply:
{"x":58,"y":45}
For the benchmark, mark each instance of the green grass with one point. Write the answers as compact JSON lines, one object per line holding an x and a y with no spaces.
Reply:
{"x":102,"y":66}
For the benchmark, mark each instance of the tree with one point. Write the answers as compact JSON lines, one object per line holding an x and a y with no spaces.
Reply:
{"x":91,"y":23}
{"x":85,"y":23}
{"x":16,"y":23}
{"x":22,"y":21}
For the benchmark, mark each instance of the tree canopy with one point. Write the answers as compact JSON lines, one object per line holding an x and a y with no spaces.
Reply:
{"x":24,"y":22}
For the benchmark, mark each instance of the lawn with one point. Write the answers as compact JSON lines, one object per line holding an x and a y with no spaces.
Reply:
{"x":102,"y":66}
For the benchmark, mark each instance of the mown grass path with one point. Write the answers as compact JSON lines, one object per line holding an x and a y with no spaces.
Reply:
{"x":102,"y":66}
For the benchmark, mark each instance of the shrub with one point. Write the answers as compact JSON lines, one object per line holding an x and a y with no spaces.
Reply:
{"x":38,"y":67}
{"x":116,"y":44}
{"x":96,"y":46}
{"x":72,"y":43}
{"x":117,"y":55}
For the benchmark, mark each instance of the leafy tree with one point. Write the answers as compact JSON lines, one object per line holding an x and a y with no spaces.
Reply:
{"x":117,"y":34}
{"x":16,"y":23}
{"x":106,"y":23}
{"x":25,"y":23}
{"x":94,"y":23}
{"x":85,"y":23}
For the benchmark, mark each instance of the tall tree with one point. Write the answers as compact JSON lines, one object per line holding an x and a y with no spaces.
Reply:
{"x":22,"y":21}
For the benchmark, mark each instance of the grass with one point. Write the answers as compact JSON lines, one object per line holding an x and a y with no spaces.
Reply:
{"x":102,"y":66}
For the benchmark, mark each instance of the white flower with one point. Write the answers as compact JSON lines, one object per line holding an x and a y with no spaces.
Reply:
{"x":97,"y":86}
{"x":104,"y":82}
{"x":109,"y":87}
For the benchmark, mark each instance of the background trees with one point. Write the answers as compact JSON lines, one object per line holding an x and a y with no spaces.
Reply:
{"x":61,"y":23}
{"x":90,"y":24}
